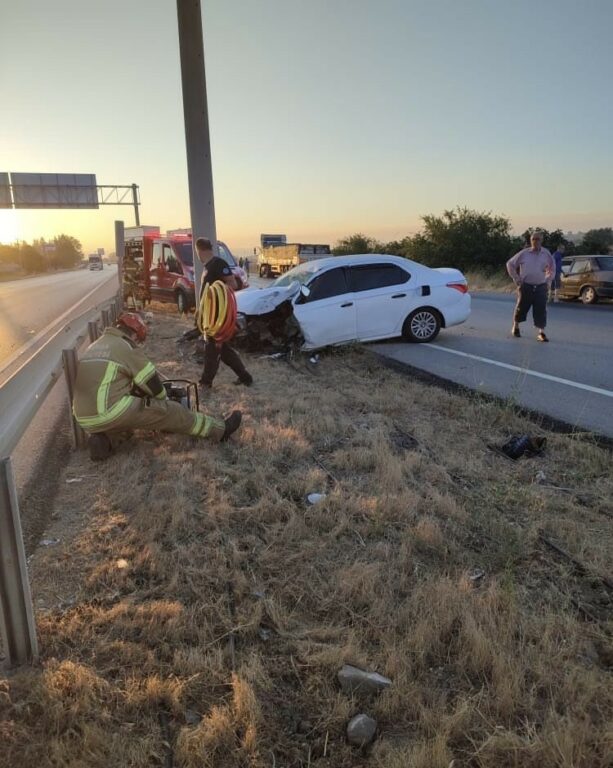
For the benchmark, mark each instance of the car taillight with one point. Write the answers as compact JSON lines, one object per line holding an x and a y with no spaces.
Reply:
{"x":462,"y":287}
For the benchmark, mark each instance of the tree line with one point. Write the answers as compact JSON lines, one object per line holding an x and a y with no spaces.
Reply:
{"x":41,"y":255}
{"x":471,"y":240}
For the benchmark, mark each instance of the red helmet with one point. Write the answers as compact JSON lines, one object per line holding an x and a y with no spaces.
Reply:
{"x":134,"y":322}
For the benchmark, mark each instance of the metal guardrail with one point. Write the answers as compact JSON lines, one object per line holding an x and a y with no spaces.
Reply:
{"x":23,"y":392}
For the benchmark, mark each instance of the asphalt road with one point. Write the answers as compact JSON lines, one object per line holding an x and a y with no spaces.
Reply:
{"x":28,"y":306}
{"x":570,"y":379}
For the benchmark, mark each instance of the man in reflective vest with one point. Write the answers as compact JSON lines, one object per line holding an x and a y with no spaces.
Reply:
{"x":118,"y":390}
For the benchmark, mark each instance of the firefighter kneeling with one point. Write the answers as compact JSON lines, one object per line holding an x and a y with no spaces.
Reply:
{"x":118,"y":390}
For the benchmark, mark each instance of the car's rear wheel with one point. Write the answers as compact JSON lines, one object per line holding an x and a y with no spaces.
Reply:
{"x":182,"y":302}
{"x":422,"y":326}
{"x":588,"y":295}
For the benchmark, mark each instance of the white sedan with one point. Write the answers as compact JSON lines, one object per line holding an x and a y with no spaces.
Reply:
{"x":341,"y":299}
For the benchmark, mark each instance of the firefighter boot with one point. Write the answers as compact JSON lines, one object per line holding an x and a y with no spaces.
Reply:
{"x":100,"y":447}
{"x":233,"y":422}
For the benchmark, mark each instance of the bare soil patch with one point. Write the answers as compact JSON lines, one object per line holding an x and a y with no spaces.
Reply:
{"x":196,"y":609}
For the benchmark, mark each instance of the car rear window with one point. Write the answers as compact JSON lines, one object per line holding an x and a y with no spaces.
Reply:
{"x":605,"y":262}
{"x":367,"y":277}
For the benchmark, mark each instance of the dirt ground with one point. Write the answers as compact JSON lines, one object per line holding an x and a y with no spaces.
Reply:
{"x":195,"y":609}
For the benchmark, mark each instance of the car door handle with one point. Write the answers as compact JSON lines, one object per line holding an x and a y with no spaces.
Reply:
{"x":399,"y":296}
{"x":347,"y":304}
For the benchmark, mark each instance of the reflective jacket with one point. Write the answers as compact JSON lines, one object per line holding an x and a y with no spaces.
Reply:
{"x":113,"y":373}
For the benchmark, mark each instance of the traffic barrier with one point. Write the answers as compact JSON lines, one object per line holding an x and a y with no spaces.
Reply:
{"x":21,"y":395}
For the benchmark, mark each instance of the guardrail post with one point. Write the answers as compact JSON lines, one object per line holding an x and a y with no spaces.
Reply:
{"x":93,"y":331}
{"x":119,"y":253}
{"x":70,"y":360}
{"x":16,"y":612}
{"x":113,"y":313}
{"x":106,"y":318}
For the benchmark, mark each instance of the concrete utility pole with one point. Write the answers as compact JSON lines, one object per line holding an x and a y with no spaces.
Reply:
{"x":197,"y":139}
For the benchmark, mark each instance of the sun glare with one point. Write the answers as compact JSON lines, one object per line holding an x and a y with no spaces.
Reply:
{"x":9,"y":229}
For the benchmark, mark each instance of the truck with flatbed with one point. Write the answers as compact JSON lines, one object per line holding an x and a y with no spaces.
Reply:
{"x":276,"y":259}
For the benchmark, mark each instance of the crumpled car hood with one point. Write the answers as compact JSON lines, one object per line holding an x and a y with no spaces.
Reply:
{"x":259,"y":301}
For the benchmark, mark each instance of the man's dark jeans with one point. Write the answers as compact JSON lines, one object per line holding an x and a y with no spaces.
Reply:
{"x":534,"y":296}
{"x":213,"y":353}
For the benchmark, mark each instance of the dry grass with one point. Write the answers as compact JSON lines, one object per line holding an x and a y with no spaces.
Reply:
{"x":499,"y":282}
{"x":196,"y":610}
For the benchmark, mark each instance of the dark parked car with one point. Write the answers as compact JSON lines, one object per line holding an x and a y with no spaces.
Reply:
{"x":588,"y":278}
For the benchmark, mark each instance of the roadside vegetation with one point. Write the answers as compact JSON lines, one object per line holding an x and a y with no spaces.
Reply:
{"x":196,"y":609}
{"x":478,"y":243}
{"x":21,"y":258}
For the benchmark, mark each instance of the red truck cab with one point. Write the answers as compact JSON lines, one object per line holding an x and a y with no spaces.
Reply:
{"x":168,"y":266}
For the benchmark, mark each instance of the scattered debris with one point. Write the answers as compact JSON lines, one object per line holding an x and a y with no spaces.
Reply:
{"x":49,"y":542}
{"x":315,"y":498}
{"x":70,"y":480}
{"x":149,"y":317}
{"x":402,"y":441}
{"x":476,"y":575}
{"x":258,"y":593}
{"x":304,"y":726}
{"x":361,"y":730}
{"x":355,"y":680}
{"x":523,"y":445}
{"x":314,"y":359}
{"x":540,"y":477}
{"x":265,"y":634}
{"x":122,"y":564}
{"x":191,"y":717}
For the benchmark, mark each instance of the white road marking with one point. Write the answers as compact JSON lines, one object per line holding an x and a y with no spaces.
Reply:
{"x":537,"y":374}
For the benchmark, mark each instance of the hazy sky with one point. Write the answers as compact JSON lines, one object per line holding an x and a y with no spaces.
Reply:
{"x":327,"y":117}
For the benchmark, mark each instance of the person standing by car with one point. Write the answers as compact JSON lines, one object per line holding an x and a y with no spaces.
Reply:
{"x":558,"y":255}
{"x":532,"y":269}
{"x":246,"y":266}
{"x":217,"y":269}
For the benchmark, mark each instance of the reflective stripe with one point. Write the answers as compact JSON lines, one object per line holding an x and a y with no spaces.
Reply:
{"x":161,"y":395}
{"x":102,"y":397}
{"x":210,"y":423}
{"x":198,"y":424}
{"x":144,"y":374}
{"x":103,"y":419}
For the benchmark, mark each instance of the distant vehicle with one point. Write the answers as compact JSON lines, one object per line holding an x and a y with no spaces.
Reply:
{"x":161,"y":268}
{"x":276,"y":259}
{"x":342,"y":299}
{"x":588,"y":278}
{"x":95,"y":261}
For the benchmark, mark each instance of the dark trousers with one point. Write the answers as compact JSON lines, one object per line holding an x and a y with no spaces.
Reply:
{"x":534,"y":296}
{"x":213,"y":353}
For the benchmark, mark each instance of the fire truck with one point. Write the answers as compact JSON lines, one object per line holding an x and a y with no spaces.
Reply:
{"x":160,"y":267}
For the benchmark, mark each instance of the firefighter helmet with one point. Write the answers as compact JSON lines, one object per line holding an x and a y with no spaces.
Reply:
{"x":135,"y":323}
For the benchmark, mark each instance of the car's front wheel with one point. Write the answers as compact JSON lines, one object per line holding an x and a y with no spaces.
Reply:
{"x":422,"y":326}
{"x":588,"y":295}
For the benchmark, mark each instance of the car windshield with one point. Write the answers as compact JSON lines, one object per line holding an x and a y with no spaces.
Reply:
{"x":301,"y":274}
{"x":605,"y":262}
{"x":224,"y":253}
{"x":186,"y":253}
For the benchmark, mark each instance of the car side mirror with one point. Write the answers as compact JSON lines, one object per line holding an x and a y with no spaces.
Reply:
{"x":305,"y":291}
